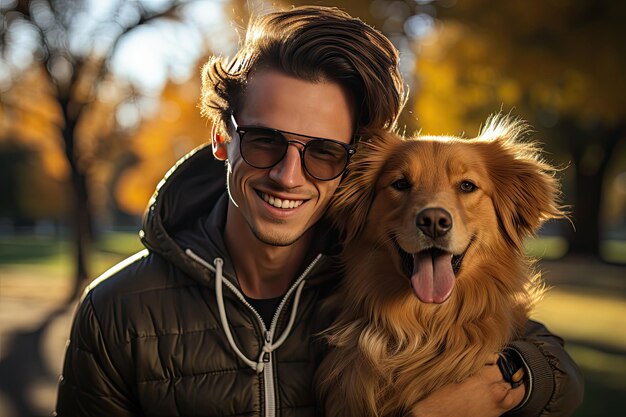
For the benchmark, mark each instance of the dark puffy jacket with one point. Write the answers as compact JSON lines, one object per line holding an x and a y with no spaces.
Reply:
{"x":168,"y":332}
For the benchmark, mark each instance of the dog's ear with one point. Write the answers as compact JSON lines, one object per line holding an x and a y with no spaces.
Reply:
{"x":525,"y":190}
{"x":350,"y":205}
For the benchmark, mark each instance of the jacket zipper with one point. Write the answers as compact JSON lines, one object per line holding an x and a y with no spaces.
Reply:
{"x":269,"y":382}
{"x":268,"y":370}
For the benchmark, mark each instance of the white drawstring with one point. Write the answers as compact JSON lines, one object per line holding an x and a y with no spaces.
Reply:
{"x":292,"y":318}
{"x":268,"y":347}
{"x":257,"y":366}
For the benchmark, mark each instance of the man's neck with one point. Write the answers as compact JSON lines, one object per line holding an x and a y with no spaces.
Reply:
{"x":263,"y":270}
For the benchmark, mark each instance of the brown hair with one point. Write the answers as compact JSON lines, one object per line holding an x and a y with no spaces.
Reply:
{"x":313,"y":43}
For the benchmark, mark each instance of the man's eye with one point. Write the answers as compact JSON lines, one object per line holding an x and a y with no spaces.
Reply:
{"x":264,"y":139}
{"x":467,"y":186}
{"x":325,"y":150}
{"x":401,"y":184}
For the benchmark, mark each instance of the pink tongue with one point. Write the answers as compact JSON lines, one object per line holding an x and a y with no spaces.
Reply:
{"x":433,"y":278}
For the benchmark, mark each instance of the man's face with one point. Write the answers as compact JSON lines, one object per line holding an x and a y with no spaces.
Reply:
{"x":275,"y":100}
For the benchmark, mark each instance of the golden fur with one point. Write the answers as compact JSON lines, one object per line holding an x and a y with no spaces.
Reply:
{"x":388,"y":349}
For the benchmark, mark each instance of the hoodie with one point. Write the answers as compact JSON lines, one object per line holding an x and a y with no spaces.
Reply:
{"x":168,"y":331}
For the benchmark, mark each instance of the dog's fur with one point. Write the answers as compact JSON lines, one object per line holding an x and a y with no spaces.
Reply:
{"x":389,"y":349}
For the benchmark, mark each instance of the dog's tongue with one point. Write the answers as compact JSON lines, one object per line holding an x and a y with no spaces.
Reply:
{"x":433,"y":278}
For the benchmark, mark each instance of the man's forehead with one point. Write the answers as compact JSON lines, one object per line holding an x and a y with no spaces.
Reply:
{"x":280,"y":101}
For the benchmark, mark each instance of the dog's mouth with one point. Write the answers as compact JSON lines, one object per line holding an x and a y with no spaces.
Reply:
{"x":432,"y":272}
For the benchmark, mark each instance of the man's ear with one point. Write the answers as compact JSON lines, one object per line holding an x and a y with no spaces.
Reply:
{"x":218,"y":143}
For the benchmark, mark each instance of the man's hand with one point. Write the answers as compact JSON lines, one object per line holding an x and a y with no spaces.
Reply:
{"x":485,"y":394}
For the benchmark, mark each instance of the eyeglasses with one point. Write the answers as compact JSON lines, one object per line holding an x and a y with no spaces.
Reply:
{"x":262,"y":148}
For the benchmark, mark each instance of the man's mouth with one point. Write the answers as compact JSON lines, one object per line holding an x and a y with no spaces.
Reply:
{"x":432,"y":272}
{"x":280,"y":202}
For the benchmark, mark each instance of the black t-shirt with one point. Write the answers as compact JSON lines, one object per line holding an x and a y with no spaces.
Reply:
{"x":265,"y":307}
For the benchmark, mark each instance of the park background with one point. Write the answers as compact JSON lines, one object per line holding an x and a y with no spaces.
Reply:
{"x":98,"y":98}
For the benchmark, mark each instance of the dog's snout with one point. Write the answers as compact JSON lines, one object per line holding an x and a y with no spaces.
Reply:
{"x":434,"y":222}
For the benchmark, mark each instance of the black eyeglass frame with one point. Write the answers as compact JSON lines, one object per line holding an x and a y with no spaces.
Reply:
{"x":241,"y":131}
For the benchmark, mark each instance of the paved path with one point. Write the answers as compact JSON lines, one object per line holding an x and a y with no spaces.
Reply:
{"x":26,"y":302}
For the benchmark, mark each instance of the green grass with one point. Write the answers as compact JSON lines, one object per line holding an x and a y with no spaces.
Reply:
{"x":33,"y":250}
{"x":555,"y":247}
{"x":613,"y":251}
{"x":546,"y":247}
{"x":54,"y":256}
{"x":119,"y":243}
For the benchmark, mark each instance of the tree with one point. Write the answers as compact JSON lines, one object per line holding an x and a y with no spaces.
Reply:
{"x":33,"y":168}
{"x":558,"y":64}
{"x":70,"y":44}
{"x":169,"y":134}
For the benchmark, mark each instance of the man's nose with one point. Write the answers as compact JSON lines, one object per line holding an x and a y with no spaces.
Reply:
{"x":289,"y":172}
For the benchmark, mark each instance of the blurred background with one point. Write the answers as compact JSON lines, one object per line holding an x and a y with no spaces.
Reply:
{"x":98,"y":98}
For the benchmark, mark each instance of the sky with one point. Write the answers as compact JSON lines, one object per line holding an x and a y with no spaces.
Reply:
{"x":146,"y":56}
{"x":152,"y":53}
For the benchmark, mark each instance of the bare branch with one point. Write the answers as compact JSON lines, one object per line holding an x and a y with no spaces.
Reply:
{"x":146,"y":17}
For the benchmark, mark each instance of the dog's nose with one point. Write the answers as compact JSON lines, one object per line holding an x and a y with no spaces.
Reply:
{"x":434,"y":222}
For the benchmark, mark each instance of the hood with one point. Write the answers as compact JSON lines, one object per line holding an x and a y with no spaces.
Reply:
{"x":188,"y":211}
{"x":188,"y":193}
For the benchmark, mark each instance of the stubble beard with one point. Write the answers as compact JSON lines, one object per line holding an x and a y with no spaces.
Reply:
{"x":274,"y":239}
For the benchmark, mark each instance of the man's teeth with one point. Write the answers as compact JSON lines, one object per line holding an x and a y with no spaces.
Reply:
{"x":279,"y":203}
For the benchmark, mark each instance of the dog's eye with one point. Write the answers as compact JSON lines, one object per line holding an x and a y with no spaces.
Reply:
{"x":467,"y":186}
{"x":401,"y":184}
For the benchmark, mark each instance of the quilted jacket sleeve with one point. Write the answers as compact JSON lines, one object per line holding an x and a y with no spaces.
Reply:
{"x":91,"y":385}
{"x":556,"y":383}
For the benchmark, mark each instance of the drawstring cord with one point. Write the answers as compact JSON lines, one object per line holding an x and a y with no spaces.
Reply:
{"x":268,"y":347}
{"x":292,"y":318}
{"x":256,"y":366}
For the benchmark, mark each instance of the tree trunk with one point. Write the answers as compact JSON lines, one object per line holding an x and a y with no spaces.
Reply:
{"x":81,"y":232}
{"x":585,"y":239}
{"x":589,"y":181}
{"x":81,"y":215}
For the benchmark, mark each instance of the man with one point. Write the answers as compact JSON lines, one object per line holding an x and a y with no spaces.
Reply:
{"x":219,"y":315}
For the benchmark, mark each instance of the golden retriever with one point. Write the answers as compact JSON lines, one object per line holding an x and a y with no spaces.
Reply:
{"x":436,"y":277}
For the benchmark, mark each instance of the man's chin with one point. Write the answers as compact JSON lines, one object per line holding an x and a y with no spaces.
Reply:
{"x":275,"y":238}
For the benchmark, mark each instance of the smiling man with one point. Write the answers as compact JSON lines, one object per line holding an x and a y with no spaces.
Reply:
{"x":272,"y":211}
{"x":220,"y":315}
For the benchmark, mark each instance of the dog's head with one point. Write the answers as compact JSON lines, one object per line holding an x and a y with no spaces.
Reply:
{"x":436,"y":201}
